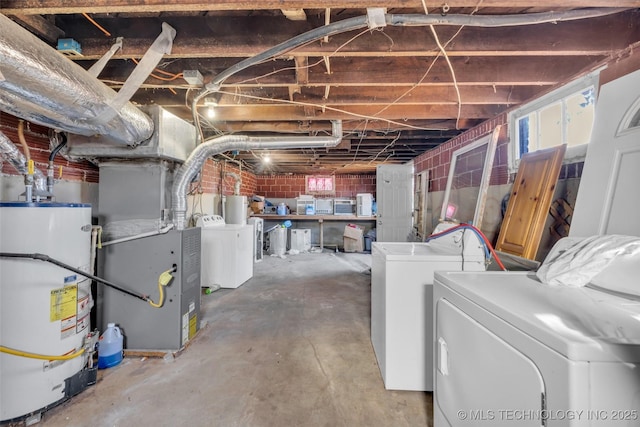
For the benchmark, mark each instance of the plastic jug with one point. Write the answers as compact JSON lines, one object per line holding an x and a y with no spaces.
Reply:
{"x":110,"y":347}
{"x":281,"y":209}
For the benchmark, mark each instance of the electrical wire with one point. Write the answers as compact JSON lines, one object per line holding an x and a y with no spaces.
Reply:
{"x":386,"y":146}
{"x":29,"y":355}
{"x":100,"y":27}
{"x":448,"y":61}
{"x":164,"y":79}
{"x":332,"y":54}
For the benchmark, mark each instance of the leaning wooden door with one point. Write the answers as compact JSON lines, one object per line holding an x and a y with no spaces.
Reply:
{"x":529,"y":202}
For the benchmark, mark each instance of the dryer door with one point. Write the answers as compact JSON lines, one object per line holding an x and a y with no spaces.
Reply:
{"x":480,"y":379}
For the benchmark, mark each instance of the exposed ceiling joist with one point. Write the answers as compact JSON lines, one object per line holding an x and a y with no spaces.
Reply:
{"x":390,"y":86}
{"x":117,"y":6}
{"x":39,"y":26}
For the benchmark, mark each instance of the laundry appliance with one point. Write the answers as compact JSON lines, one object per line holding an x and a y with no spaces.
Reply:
{"x":514,"y":348}
{"x":227,"y":252}
{"x":402,"y":300}
{"x":512,"y":351}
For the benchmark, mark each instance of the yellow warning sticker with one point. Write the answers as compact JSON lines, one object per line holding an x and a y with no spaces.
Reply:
{"x":64,"y":303}
{"x":193,"y":322}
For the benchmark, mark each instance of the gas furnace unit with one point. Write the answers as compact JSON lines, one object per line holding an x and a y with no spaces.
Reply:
{"x":137,"y":265}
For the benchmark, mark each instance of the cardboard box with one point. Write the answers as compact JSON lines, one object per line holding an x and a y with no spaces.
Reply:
{"x":353,"y":239}
{"x":353,"y":245}
{"x":353,"y":231}
{"x":257,"y":207}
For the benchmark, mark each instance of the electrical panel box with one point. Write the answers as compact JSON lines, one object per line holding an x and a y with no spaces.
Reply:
{"x":136,"y":265}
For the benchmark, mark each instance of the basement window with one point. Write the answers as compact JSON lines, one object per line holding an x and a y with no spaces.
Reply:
{"x":564,"y":116}
{"x":320,"y":185}
{"x":631,"y":120}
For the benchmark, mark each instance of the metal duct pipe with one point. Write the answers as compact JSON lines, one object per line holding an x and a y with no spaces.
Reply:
{"x":42,"y":86}
{"x":10,"y":152}
{"x":220,"y":144}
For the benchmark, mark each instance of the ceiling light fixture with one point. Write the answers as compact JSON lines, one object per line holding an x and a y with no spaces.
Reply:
{"x":211,"y":112}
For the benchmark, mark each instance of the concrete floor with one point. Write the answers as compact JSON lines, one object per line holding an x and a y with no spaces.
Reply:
{"x":290,"y":347}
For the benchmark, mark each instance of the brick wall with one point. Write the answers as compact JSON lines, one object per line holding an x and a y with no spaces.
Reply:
{"x":291,"y":186}
{"x":438,"y":160}
{"x":37,"y":138}
{"x":213,"y":179}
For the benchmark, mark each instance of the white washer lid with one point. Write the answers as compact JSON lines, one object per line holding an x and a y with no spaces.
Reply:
{"x":446,"y":249}
{"x":583,"y":324}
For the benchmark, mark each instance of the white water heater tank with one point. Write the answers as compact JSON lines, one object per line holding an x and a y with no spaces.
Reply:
{"x":44,"y":309}
{"x":236,"y":210}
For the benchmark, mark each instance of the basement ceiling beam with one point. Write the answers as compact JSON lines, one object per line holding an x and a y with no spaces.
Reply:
{"x":394,"y":112}
{"x":407,"y":95}
{"x":386,"y":72}
{"x":240,"y":37}
{"x":117,"y":6}
{"x":39,"y":26}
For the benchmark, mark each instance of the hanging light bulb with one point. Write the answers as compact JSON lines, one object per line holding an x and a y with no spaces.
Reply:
{"x":211,"y":112}
{"x":266,"y":159}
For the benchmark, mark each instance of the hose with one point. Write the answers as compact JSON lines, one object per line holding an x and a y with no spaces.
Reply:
{"x":20,"y":353}
{"x":479,"y":233}
{"x":47,"y":258}
{"x":163,"y":281}
{"x":59,"y":147}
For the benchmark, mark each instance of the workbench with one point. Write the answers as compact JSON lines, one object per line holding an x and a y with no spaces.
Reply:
{"x":272,"y":219}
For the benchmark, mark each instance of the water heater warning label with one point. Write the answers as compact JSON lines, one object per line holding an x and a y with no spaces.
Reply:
{"x":64,"y":303}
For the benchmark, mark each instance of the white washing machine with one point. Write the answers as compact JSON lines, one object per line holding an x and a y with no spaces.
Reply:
{"x":402,"y":301}
{"x":512,"y":351}
{"x":227,"y":252}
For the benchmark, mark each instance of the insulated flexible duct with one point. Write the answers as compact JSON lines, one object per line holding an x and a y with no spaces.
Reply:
{"x":42,"y":86}
{"x":220,"y":144}
{"x":10,"y":152}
